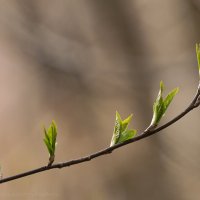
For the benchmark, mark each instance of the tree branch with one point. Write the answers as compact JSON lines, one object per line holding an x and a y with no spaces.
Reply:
{"x":148,"y":132}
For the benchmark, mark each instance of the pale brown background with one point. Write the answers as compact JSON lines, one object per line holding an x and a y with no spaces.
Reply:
{"x":77,"y":62}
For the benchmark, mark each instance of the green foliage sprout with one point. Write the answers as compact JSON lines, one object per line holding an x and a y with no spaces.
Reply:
{"x":121,"y":132}
{"x":161,"y":104}
{"x":198,"y":56}
{"x":50,"y":141}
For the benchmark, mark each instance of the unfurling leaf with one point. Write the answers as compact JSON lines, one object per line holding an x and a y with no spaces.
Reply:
{"x":198,"y":56}
{"x":126,"y":122}
{"x":50,"y":141}
{"x":121,"y":133}
{"x":127,"y":135}
{"x":160,"y":106}
{"x":170,"y":97}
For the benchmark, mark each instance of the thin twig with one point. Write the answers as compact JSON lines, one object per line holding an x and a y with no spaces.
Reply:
{"x":195,"y":103}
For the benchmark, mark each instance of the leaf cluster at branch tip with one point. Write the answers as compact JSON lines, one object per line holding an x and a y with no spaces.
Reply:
{"x":50,"y":141}
{"x":121,"y":132}
{"x":161,"y":104}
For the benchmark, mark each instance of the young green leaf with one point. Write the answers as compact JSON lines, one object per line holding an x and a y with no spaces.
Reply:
{"x":117,"y":129}
{"x":121,"y":133}
{"x":170,"y":97}
{"x":198,"y":56}
{"x":160,"y":106}
{"x":126,"y":122}
{"x":50,"y":141}
{"x":127,"y":135}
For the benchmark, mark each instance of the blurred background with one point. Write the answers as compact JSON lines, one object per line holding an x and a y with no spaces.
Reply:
{"x":77,"y":62}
